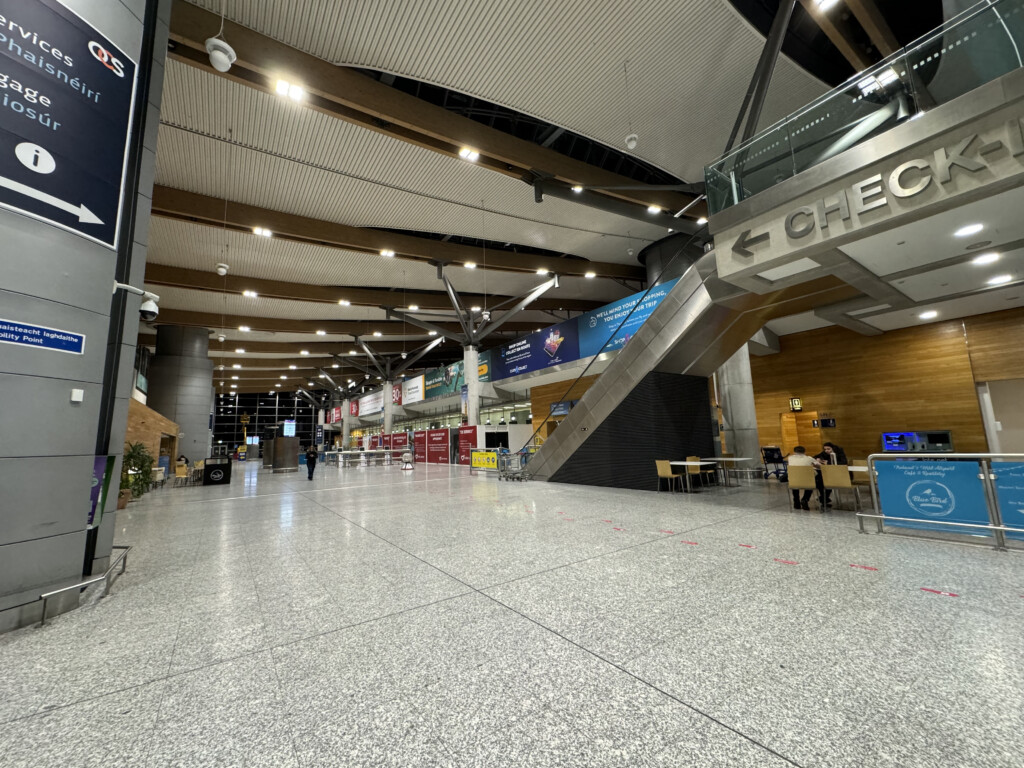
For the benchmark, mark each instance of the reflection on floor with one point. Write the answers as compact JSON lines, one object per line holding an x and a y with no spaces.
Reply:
{"x":378,"y":617}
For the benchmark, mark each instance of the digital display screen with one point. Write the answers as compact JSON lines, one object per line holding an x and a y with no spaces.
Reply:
{"x":897,"y":441}
{"x":289,"y":428}
{"x":917,"y":442}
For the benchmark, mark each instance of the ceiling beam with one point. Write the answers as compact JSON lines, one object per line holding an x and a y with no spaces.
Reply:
{"x":347,"y":94}
{"x":874,"y":23}
{"x":838,"y":34}
{"x":203,"y":209}
{"x":194,"y":279}
{"x":286,"y":325}
{"x":316,"y":349}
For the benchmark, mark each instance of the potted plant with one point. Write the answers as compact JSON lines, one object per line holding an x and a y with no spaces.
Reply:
{"x":136,"y":472}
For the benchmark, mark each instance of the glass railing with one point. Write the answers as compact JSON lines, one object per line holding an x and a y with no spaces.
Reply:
{"x":974,"y":48}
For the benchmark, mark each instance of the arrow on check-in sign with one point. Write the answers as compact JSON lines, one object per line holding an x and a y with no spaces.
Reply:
{"x":742,"y":244}
{"x":84,"y":214}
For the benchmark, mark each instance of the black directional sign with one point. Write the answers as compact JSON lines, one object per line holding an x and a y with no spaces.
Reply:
{"x":66,"y":95}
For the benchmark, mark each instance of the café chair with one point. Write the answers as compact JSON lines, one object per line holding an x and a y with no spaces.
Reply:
{"x":701,"y":472}
{"x":836,"y":477}
{"x":180,"y":474}
{"x":665,"y":473}
{"x":804,"y":479}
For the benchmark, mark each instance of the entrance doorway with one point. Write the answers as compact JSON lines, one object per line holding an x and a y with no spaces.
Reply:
{"x":799,"y":428}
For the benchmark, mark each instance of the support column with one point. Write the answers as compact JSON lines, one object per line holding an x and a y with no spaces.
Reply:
{"x":346,"y":423}
{"x":389,"y":407}
{"x":736,"y":391}
{"x":471,"y":362}
{"x":181,"y":376}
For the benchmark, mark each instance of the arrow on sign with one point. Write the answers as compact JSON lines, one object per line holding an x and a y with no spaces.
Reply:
{"x":741,"y":246}
{"x":84,"y":214}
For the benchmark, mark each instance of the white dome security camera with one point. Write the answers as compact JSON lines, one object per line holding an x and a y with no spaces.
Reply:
{"x":221,"y":337}
{"x":222,"y":55}
{"x":629,"y":251}
{"x":148,"y":310}
{"x":222,"y":269}
{"x":404,"y":355}
{"x":631,"y":141}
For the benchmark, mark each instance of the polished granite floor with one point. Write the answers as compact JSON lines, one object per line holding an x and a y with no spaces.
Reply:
{"x":375,"y":617}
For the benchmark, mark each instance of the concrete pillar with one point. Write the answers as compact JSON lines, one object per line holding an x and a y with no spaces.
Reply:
{"x":346,"y":423}
{"x":471,"y":362}
{"x":389,"y":408}
{"x":736,"y":393}
{"x":180,"y":379}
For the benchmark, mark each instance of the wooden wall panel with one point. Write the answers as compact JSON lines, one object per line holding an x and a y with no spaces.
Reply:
{"x":995,"y":342}
{"x":543,"y":396}
{"x":146,"y":426}
{"x":914,"y":378}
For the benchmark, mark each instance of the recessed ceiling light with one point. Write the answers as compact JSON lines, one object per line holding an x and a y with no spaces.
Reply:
{"x":295,"y":93}
{"x":335,"y":365}
{"x":284,"y":377}
{"x":1000,"y":279}
{"x":387,"y":252}
{"x":344,"y":302}
{"x":234,"y":386}
{"x":702,"y":221}
{"x":303,"y":351}
{"x":577,"y":188}
{"x":323,"y":375}
{"x":277,"y":385}
{"x":236,"y":365}
{"x":377,"y":333}
{"x":239,"y":351}
{"x":292,"y":367}
{"x":310,"y":384}
{"x":985,"y":258}
{"x":590,"y":275}
{"x":654,"y":209}
{"x":413,"y":307}
{"x":929,"y":315}
{"x":282,"y":87}
{"x":262,"y":231}
{"x":351,"y":351}
{"x":970,"y":229}
{"x":243,"y":328}
{"x":432,"y":333}
{"x":321,"y":333}
{"x":469,"y":154}
{"x":250,"y":294}
{"x":542,"y":271}
{"x":234,"y":378}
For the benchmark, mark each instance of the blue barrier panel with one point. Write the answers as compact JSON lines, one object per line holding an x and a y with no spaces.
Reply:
{"x":1010,"y":492}
{"x":941,"y":491}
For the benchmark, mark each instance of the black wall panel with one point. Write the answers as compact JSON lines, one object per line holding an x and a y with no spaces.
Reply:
{"x":666,"y":416}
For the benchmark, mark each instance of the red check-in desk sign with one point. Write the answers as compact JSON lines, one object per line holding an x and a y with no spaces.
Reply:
{"x":467,"y":442}
{"x":400,"y":440}
{"x":419,"y":442}
{"x":387,"y":441}
{"x":437,"y":446}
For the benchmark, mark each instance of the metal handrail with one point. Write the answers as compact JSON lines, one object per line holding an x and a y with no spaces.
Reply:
{"x":996,"y":525}
{"x":121,"y":558}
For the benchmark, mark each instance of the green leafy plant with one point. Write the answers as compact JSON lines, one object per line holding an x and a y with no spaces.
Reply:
{"x":136,"y":469}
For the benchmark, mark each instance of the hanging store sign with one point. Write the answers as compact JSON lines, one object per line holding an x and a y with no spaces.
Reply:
{"x":66,"y":97}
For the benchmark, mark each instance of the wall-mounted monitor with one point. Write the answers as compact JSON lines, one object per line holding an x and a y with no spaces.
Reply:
{"x":931,"y":441}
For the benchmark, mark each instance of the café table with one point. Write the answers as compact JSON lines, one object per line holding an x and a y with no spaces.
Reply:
{"x":686,"y":474}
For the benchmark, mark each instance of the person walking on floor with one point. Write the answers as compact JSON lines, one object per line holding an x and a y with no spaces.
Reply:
{"x":311,"y":457}
{"x":799,"y":458}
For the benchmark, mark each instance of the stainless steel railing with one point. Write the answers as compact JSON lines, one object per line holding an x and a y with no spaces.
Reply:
{"x":106,"y":578}
{"x":986,"y":475}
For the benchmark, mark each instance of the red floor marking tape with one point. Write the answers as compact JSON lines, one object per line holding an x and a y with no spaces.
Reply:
{"x":864,"y":567}
{"x":618,"y":529}
{"x":939,"y":592}
{"x":748,"y":546}
{"x":787,"y":562}
{"x":606,"y":521}
{"x":683,"y":541}
{"x":569,"y":519}
{"x":671,"y":533}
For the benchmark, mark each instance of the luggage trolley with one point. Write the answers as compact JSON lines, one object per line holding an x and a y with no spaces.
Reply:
{"x":774,"y":462}
{"x":511,"y":467}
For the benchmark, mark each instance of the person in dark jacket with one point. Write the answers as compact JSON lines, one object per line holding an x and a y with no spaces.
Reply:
{"x":831,"y":454}
{"x":311,"y":457}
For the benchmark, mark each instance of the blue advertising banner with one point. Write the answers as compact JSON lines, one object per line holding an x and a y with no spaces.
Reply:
{"x":933,"y":491}
{"x":28,"y":335}
{"x":1010,"y":492}
{"x":598,"y":327}
{"x":551,"y":346}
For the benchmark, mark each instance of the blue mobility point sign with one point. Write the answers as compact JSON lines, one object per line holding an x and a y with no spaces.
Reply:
{"x":1010,"y":492}
{"x":66,"y":97}
{"x":41,"y":337}
{"x":933,"y":491}
{"x":602,"y":325}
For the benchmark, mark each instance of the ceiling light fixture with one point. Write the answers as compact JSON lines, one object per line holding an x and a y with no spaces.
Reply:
{"x":352,"y":352}
{"x":344,"y":302}
{"x":469,"y":154}
{"x":234,"y":378}
{"x":321,"y":333}
{"x":277,"y":385}
{"x":577,"y":188}
{"x":388,"y":253}
{"x":236,"y":365}
{"x":702,"y":221}
{"x":239,"y":351}
{"x":470,"y":265}
{"x":234,"y":386}
{"x":303,"y":351}
{"x":653,"y":209}
{"x":824,"y":5}
{"x":243,"y":328}
{"x":985,"y":258}
{"x":432,"y":333}
{"x":292,"y":91}
{"x":262,"y":231}
{"x":590,"y":275}
{"x":970,"y":229}
{"x":335,"y":365}
{"x":250,"y":294}
{"x":292,"y":367}
{"x":414,"y":307}
{"x":931,"y":314}
{"x":377,"y":333}
{"x":542,"y":271}
{"x":1000,"y":279}
{"x":284,"y":377}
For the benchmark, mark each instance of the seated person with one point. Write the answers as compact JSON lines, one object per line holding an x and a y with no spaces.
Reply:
{"x":831,"y":454}
{"x":183,"y":459}
{"x":799,"y":458}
